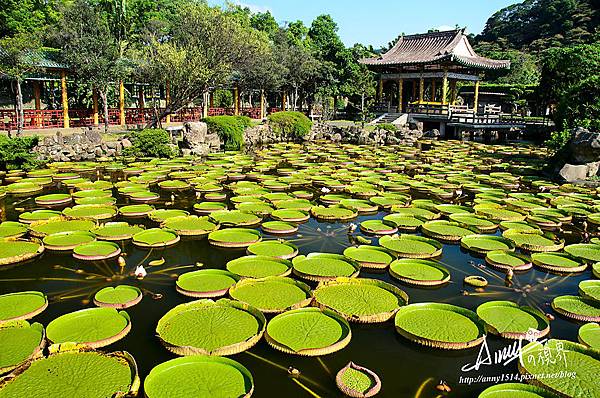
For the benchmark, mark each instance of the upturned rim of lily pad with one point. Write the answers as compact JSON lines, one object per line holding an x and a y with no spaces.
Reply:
{"x":215,"y":240}
{"x":21,"y":258}
{"x":320,"y":278}
{"x":120,"y":305}
{"x":278,"y":279}
{"x":205,"y":294}
{"x":267,"y":226}
{"x":173,"y":238}
{"x":349,"y":251}
{"x":527,"y":263}
{"x":49,"y":245}
{"x":350,"y":392}
{"x":574,"y":315}
{"x":536,"y":259}
{"x":30,"y":314}
{"x":531,"y":333}
{"x":291,"y":255}
{"x":37,"y":350}
{"x":78,"y":251}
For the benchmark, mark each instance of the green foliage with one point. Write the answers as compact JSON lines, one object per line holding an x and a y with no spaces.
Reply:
{"x":150,"y":143}
{"x":26,"y":16}
{"x":558,"y":139}
{"x":230,"y":129}
{"x":580,"y":105}
{"x":524,"y":69}
{"x":387,"y":127}
{"x":290,"y":124}
{"x":17,"y":153}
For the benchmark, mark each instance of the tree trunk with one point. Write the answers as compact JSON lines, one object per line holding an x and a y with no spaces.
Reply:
{"x":362,"y":108}
{"x":103,"y":96}
{"x":19,"y":108}
{"x":158,"y":117}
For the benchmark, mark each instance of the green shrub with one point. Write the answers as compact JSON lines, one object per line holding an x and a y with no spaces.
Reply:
{"x":580,"y":105}
{"x":389,"y":127}
{"x":150,"y":143}
{"x":230,"y":129}
{"x":17,"y":153}
{"x":291,"y":124}
{"x":558,"y":139}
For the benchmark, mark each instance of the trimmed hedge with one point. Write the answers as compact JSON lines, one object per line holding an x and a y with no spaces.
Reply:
{"x":17,"y":153}
{"x":291,"y":124}
{"x":230,"y":129}
{"x":150,"y":143}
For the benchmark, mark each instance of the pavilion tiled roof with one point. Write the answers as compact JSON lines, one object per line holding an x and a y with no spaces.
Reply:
{"x":450,"y":46}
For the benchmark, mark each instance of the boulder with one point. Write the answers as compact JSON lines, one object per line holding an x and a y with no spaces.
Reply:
{"x":194,"y":133}
{"x":584,"y":146}
{"x":572,"y":173}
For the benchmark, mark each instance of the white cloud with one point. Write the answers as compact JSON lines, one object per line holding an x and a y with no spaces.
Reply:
{"x":445,"y":27}
{"x":254,"y":8}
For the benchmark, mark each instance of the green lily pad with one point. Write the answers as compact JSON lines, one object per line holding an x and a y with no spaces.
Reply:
{"x":590,"y":289}
{"x":370,"y":256}
{"x":308,"y":332}
{"x":259,"y":266}
{"x":235,"y":218}
{"x":38,"y":215}
{"x":155,"y":237}
{"x":324,"y":266}
{"x":481,"y":224}
{"x":440,"y":325}
{"x":54,"y":226}
{"x":577,"y":308}
{"x":507,"y":260}
{"x":65,"y":241}
{"x":516,"y":390}
{"x":411,"y":246}
{"x":12,"y":229}
{"x":206,"y":283}
{"x":21,"y":341}
{"x":533,"y":242}
{"x":419,"y":272}
{"x":18,"y":251}
{"x":508,"y":320}
{"x":589,"y":334}
{"x":445,"y":230}
{"x":271,"y":248}
{"x":290,"y":215}
{"x":485,"y":243}
{"x":273,"y":294}
{"x":136,"y":210}
{"x":566,"y":357}
{"x":361,"y":300}
{"x":190,"y":225}
{"x":93,"y":327}
{"x":98,"y":250}
{"x":209,"y":207}
{"x":67,"y":372}
{"x":333,"y":213}
{"x":121,"y":296}
{"x":584,"y":251}
{"x":161,"y":215}
{"x":357,"y":381}
{"x":53,"y":199}
{"x":279,"y":227}
{"x":378,"y":227}
{"x":557,"y":262}
{"x":207,"y":327}
{"x":214,"y":377}
{"x":116,"y":231}
{"x":91,"y":212}
{"x":234,"y":237}
{"x":21,"y":305}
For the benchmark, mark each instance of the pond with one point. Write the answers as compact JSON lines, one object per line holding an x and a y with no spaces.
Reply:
{"x":487,"y":185}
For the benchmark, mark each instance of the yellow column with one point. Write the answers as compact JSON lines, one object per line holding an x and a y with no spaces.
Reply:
{"x":400,"y":92}
{"x":380,"y":91}
{"x":168,"y":100}
{"x":445,"y":87}
{"x":262,"y":104}
{"x":236,"y":101}
{"x":121,"y":103}
{"x":38,"y":102}
{"x":95,"y":106}
{"x":453,"y":92}
{"x":205,"y":105}
{"x":283,"y":101}
{"x":432,"y":90}
{"x":65,"y":99}
{"x":476,"y":98}
{"x":421,"y":90}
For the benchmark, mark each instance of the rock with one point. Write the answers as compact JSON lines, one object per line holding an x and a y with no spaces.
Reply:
{"x":194,"y":133}
{"x":93,"y":136}
{"x":126,"y":143}
{"x":584,"y":146}
{"x":572,"y":173}
{"x":433,"y":134}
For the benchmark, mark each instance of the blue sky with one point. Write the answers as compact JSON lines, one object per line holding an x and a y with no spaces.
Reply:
{"x":377,"y":22}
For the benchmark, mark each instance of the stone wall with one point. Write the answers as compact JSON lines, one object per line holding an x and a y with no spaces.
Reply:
{"x":88,"y":145}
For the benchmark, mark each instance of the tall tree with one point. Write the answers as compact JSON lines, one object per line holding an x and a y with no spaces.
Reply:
{"x":19,"y":55}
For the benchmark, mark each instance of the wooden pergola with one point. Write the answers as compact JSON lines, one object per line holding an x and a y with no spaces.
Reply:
{"x":424,"y":69}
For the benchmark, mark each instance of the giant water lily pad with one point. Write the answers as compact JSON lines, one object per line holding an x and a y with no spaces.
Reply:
{"x":440,"y":325}
{"x":259,"y":266}
{"x":12,"y":229}
{"x":357,"y":381}
{"x":161,"y":215}
{"x":21,"y":305}
{"x":361,"y":300}
{"x":272,"y":248}
{"x":589,"y":334}
{"x":18,"y":251}
{"x":404,"y":222}
{"x":213,"y":377}
{"x":279,"y":227}
{"x":206,"y":283}
{"x":66,"y":241}
{"x":557,"y":262}
{"x":333,"y":213}
{"x":116,"y":231}
{"x":207,"y":327}
{"x":508,"y":320}
{"x":133,"y":211}
{"x":190,"y":225}
{"x":419,"y":272}
{"x":121,"y":296}
{"x":235,"y":218}
{"x":378,"y":227}
{"x":478,"y":223}
{"x":588,"y":252}
{"x":590,"y":289}
{"x":93,"y":327}
{"x":370,"y":256}
{"x":53,"y":200}
{"x":290,"y":215}
{"x":30,"y":217}
{"x":308,"y":332}
{"x":577,"y":308}
{"x":155,"y":237}
{"x":209,"y":207}
{"x":516,"y":390}
{"x":411,"y":246}
{"x":234,"y":237}
{"x":485,"y":243}
{"x":533,"y":242}
{"x":445,"y":230}
{"x":273,"y":294}
{"x":56,"y":225}
{"x":567,"y":358}
{"x":91,"y":212}
{"x":68,"y":372}
{"x":95,"y":251}
{"x":324,"y":266}
{"x":506,"y":260}
{"x":21,"y":341}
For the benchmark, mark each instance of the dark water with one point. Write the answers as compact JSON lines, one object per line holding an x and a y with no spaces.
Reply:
{"x":404,"y":367}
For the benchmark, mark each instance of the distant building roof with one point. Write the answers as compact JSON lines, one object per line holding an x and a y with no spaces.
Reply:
{"x":450,"y":46}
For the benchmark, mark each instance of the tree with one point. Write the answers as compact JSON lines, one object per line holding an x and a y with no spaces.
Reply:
{"x":19,"y":55}
{"x":27,"y":16}
{"x":580,"y":105}
{"x":204,"y":47}
{"x":91,"y":48}
{"x":524,"y":69}
{"x":264,"y":22}
{"x":358,"y":80}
